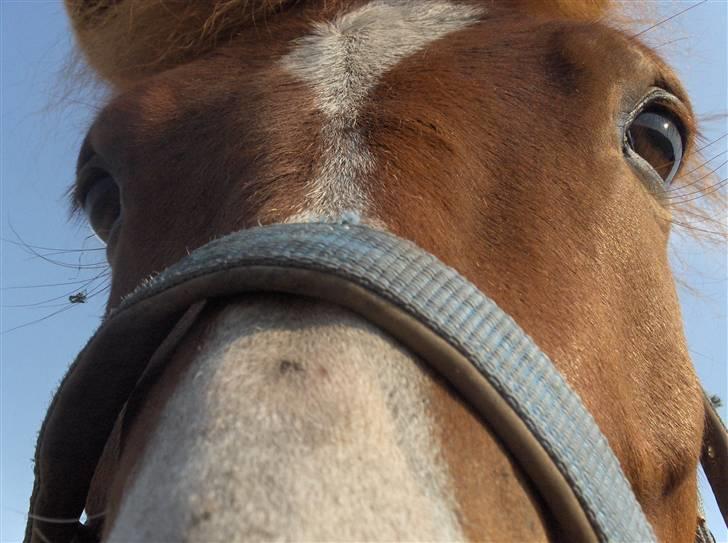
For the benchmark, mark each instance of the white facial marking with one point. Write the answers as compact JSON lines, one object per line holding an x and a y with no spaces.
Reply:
{"x":342,"y":61}
{"x":297,"y":421}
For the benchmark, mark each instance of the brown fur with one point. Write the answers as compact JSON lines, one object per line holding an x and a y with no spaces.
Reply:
{"x":583,"y":10}
{"x":507,"y":166}
{"x":127,"y":41}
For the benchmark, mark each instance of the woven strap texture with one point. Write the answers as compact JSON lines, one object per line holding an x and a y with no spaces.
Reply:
{"x":456,"y":310}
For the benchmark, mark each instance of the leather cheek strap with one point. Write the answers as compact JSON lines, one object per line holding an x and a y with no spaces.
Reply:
{"x":156,"y":366}
{"x":714,"y":457}
{"x":92,"y":531}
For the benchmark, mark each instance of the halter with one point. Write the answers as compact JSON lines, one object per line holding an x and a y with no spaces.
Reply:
{"x":425,"y":305}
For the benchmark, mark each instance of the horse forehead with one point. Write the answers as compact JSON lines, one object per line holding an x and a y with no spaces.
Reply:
{"x":343,"y":58}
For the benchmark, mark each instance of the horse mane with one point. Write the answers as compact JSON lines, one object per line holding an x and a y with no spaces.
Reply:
{"x":129,"y":40}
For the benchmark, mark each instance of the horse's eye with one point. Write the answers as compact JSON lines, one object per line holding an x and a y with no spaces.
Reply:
{"x":656,"y":138}
{"x":102,"y":205}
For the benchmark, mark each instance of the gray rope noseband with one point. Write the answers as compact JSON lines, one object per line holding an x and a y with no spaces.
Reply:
{"x":427,"y":306}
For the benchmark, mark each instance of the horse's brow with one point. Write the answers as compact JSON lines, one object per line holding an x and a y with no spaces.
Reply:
{"x":72,"y":192}
{"x":85,"y":152}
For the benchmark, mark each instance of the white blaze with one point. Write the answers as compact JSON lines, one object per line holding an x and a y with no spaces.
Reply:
{"x":297,"y":421}
{"x":342,"y":61}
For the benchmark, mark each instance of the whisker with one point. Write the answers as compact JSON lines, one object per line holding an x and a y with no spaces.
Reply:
{"x":80,"y":251}
{"x":694,"y":228}
{"x":36,"y":321}
{"x":21,"y":242}
{"x":57,"y":250}
{"x":695,"y":169}
{"x":699,"y":167}
{"x":80,"y":255}
{"x":39,"y":305}
{"x":45,"y":285}
{"x":84,"y":289}
{"x":100,"y":289}
{"x":716,"y":140}
{"x":693,"y":193}
{"x":62,"y":264}
{"x":698,"y":180}
{"x":668,"y":19}
{"x":100,"y":265}
{"x":33,"y":251}
{"x":50,"y":285}
{"x":669,"y":43}
{"x":701,"y":193}
{"x":700,"y":216}
{"x":83,"y":286}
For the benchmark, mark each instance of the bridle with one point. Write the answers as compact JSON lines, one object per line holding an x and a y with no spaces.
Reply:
{"x":425,"y":305}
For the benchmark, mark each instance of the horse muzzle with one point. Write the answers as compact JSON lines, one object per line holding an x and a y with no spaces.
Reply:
{"x":425,"y":305}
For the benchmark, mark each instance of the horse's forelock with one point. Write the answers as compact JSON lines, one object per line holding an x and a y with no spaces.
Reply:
{"x":580,"y":10}
{"x":126,"y":40}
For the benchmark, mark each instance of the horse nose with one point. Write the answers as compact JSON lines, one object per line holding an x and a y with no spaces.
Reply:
{"x":282,"y":391}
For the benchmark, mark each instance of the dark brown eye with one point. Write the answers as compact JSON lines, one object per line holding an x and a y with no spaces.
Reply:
{"x":102,"y":205}
{"x":656,"y":138}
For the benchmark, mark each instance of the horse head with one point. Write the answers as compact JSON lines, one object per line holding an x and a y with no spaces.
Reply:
{"x":531,"y":146}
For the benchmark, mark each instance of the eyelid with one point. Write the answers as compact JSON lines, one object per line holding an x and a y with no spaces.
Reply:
{"x":91,"y":171}
{"x":667,"y":101}
{"x":85,"y":153}
{"x":660,"y":102}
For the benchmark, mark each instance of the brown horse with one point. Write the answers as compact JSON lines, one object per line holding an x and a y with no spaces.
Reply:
{"x":528,"y":144}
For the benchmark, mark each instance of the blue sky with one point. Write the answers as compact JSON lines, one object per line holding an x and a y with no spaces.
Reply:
{"x":41,"y":129}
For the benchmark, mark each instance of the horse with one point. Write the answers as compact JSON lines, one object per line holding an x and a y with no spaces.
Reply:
{"x":532,"y":146}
